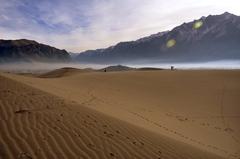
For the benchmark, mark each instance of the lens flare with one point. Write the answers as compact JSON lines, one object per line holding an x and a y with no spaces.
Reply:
{"x":197,"y":24}
{"x":171,"y":43}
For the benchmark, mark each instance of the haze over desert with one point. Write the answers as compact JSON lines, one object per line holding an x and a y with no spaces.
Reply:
{"x":119,"y":79}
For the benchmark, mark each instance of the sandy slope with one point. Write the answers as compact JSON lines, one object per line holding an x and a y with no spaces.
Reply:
{"x":35,"y":124}
{"x":200,"y":108}
{"x":67,"y":71}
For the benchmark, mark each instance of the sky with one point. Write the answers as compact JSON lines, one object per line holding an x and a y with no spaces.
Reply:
{"x":78,"y":25}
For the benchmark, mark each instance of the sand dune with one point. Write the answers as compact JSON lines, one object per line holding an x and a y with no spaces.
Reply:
{"x":116,"y":68}
{"x":62,"y":72}
{"x":68,"y":71}
{"x":35,"y":124}
{"x":200,"y":108}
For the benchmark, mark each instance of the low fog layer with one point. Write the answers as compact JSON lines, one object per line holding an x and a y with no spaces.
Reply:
{"x":44,"y":67}
{"x":225,"y":64}
{"x":38,"y":67}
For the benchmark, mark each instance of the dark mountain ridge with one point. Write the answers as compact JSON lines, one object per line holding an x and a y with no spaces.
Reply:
{"x":27,"y":51}
{"x":206,"y":39}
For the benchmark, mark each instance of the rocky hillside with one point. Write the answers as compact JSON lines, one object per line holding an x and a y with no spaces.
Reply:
{"x":206,"y":39}
{"x":27,"y":51}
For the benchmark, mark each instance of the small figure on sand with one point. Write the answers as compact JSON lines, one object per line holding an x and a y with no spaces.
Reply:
{"x":105,"y":70}
{"x":172,"y":68}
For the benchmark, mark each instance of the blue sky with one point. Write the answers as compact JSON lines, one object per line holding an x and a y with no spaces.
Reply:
{"x":77,"y":25}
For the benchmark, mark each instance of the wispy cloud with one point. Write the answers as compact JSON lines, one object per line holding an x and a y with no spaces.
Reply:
{"x":78,"y":25}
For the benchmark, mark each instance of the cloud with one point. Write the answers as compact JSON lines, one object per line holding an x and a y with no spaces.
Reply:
{"x":78,"y":25}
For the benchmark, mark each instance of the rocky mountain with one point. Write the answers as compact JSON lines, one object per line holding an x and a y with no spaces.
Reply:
{"x":206,"y":39}
{"x":73,"y":55}
{"x":26,"y":51}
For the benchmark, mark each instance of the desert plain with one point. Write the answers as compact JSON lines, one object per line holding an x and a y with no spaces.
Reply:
{"x":155,"y":114}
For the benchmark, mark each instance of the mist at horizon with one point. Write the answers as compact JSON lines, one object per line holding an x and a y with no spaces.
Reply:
{"x":41,"y":67}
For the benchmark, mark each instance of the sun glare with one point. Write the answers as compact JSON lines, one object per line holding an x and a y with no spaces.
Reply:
{"x":171,"y":43}
{"x":198,"y":24}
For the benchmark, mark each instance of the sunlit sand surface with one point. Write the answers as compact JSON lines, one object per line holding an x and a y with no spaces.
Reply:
{"x":131,"y":114}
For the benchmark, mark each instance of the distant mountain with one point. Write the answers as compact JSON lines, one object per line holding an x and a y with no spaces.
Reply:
{"x":206,"y":39}
{"x":26,"y":51}
{"x":73,"y":55}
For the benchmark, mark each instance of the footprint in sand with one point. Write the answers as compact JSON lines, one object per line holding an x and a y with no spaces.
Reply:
{"x":22,"y":111}
{"x":112,"y":154}
{"x":24,"y":155}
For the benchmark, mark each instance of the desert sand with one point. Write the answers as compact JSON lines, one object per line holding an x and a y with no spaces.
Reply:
{"x":133,"y":114}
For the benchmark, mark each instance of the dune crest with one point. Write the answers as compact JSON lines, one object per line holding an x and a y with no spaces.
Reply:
{"x":62,"y":72}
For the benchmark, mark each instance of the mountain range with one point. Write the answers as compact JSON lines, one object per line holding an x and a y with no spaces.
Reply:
{"x":27,"y":51}
{"x":215,"y":37}
{"x":211,"y":38}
